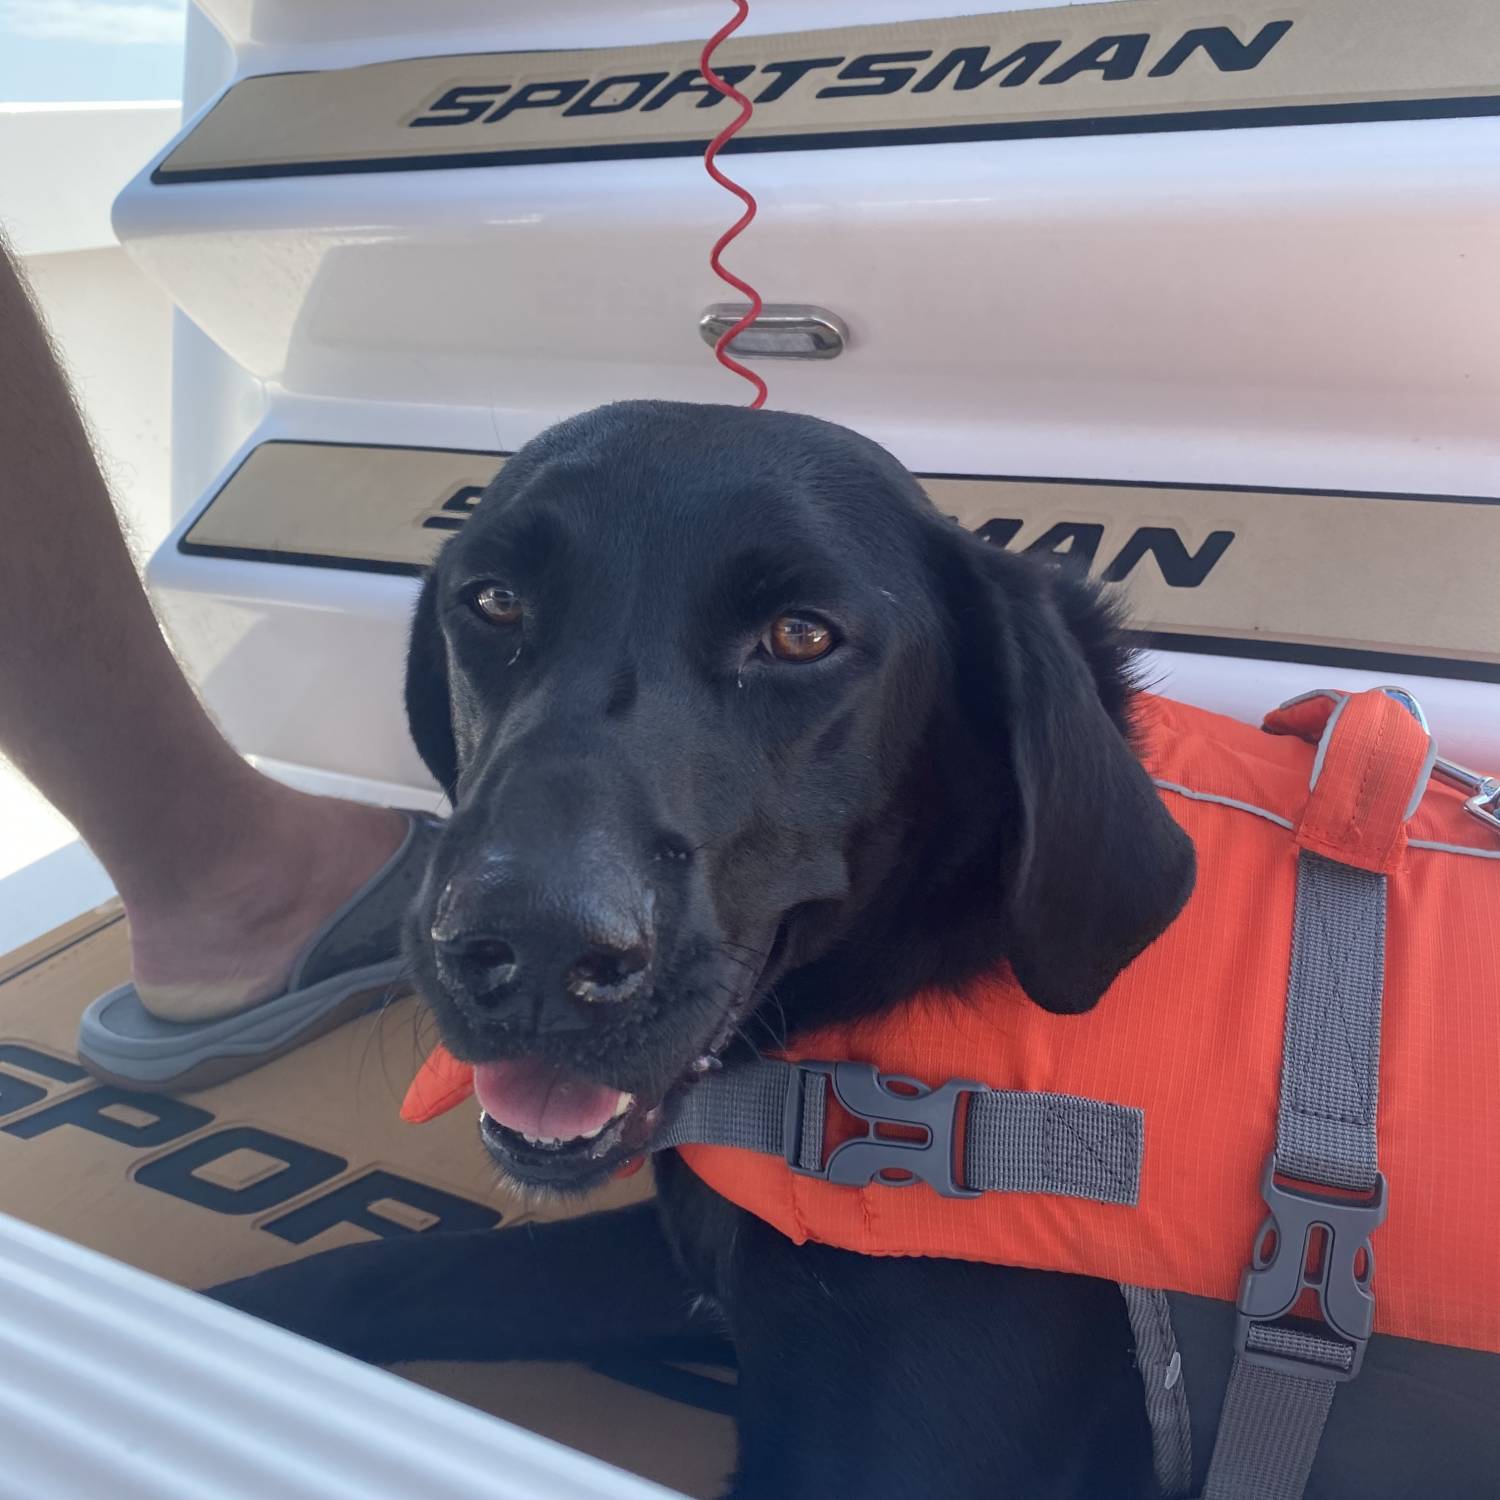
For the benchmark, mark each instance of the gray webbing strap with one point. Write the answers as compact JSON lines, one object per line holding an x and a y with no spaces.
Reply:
{"x":1330,"y":1064}
{"x":1269,"y":1431}
{"x":1160,"y":1365}
{"x":1054,"y":1143}
{"x":746,"y":1107}
{"x":1283,"y":1379}
{"x":1014,"y":1142}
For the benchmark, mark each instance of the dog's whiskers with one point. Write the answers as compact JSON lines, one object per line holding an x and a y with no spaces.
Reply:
{"x":398,"y":990}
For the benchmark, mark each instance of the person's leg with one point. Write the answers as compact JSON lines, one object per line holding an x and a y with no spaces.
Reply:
{"x":224,"y":874}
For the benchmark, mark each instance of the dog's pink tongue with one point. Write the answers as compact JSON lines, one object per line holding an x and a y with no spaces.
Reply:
{"x":541,"y":1101}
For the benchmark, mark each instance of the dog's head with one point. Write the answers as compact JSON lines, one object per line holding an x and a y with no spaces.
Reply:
{"x":736,"y":724}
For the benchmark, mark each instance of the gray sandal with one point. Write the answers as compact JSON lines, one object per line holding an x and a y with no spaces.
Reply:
{"x":350,"y":965}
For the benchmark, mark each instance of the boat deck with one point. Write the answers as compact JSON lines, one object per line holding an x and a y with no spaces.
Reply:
{"x":272,"y":1167}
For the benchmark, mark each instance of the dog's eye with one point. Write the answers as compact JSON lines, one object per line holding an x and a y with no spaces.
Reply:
{"x":799,"y":638}
{"x":498,"y":605}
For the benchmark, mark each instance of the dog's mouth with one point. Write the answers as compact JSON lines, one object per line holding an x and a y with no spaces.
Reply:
{"x":548,"y":1126}
{"x":544,"y":1122}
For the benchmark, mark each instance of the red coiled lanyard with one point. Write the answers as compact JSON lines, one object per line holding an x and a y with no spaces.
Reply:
{"x":728,"y":90}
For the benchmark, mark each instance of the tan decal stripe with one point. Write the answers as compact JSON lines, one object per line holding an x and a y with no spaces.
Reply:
{"x":382,"y":510}
{"x":1361,"y":579}
{"x":1119,"y":66}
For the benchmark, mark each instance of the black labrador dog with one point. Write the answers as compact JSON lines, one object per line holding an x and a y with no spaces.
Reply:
{"x":742,"y":736}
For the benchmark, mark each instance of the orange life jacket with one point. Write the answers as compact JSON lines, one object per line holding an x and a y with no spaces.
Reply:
{"x":1191,"y":1035}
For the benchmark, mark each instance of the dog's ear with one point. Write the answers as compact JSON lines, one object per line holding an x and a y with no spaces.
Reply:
{"x":429,"y":709}
{"x":1100,"y":867}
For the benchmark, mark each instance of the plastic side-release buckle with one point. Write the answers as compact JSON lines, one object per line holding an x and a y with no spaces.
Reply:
{"x":888,"y":1099}
{"x":1288,"y":1268}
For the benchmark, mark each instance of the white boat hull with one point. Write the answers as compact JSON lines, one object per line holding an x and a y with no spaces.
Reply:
{"x":1224,"y":313}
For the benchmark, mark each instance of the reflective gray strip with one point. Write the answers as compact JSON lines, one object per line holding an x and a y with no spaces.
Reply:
{"x":1273,"y":1418}
{"x":1420,"y":790}
{"x":1333,"y":695}
{"x":1341,"y":702}
{"x":1272,"y":817}
{"x":1268,"y":1434}
{"x":1160,"y":1366}
{"x":1014,"y":1142}
{"x":1453,"y":848}
{"x":1234,"y":802}
{"x":1330,"y":1065}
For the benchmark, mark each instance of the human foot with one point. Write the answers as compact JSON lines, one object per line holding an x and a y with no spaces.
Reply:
{"x":232,"y":939}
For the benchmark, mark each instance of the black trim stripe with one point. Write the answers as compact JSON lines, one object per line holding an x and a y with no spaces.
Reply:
{"x":1260,"y":117}
{"x":1354,"y":658}
{"x":298,"y":442}
{"x":62,"y":939}
{"x":1407,"y":496}
{"x":659,"y":1377}
{"x":300,"y":559}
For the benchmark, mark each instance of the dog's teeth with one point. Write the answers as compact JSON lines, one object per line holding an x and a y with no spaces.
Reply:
{"x":622,"y":1103}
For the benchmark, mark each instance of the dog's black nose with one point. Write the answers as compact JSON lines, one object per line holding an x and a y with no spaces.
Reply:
{"x":484,"y":967}
{"x":502,"y":946}
{"x":609,"y":973}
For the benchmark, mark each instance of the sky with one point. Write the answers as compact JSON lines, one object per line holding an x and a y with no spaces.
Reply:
{"x":67,"y":51}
